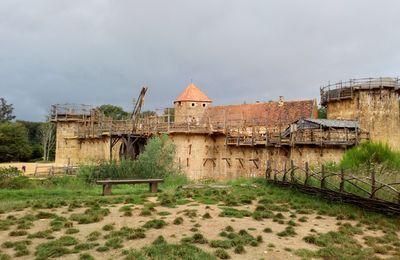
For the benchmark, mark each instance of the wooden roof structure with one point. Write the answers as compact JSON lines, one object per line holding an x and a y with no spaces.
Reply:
{"x":192,"y":93}
{"x":264,"y":113}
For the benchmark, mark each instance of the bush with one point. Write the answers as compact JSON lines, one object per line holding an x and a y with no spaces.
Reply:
{"x":155,"y":162}
{"x":370,"y":154}
{"x":10,"y":178}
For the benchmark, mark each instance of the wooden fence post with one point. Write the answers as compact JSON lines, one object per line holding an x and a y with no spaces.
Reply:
{"x":307,"y":174}
{"x":284,"y":171}
{"x":323,"y":186}
{"x":292,"y":172}
{"x":373,"y":183}
{"x":341,"y":180}
{"x":268,"y":171}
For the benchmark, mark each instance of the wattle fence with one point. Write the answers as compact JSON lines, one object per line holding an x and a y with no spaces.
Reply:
{"x":365,"y":191}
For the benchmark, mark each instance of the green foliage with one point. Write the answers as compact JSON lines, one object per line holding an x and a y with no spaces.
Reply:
{"x":222,"y":254}
{"x":178,"y":221}
{"x":147,"y":113}
{"x":10,"y":178}
{"x":197,"y":238}
{"x":6,"y":111}
{"x":337,"y":245}
{"x":115,"y":112}
{"x":14,"y":145}
{"x":160,"y":249}
{"x":55,"y":248}
{"x":289,"y":231}
{"x":85,"y":256}
{"x":235,"y":213}
{"x":155,"y":223}
{"x":34,"y":134}
{"x":93,"y":236}
{"x":322,"y":113}
{"x":91,"y":215}
{"x":370,"y":154}
{"x":156,"y":161}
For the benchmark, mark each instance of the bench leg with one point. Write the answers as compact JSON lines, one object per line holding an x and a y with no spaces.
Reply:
{"x":153,"y":187}
{"x":106,"y":189}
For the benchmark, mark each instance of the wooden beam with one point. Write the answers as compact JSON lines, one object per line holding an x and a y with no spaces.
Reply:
{"x":256,"y":162}
{"x":228,"y":161}
{"x":241,"y":162}
{"x":205,"y":160}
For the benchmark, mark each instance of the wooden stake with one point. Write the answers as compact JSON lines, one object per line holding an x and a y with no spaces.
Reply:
{"x":323,"y":185}
{"x":373,"y":183}
{"x":292,"y":172}
{"x":342,"y":180}
{"x":307,"y":170}
{"x":284,"y":171}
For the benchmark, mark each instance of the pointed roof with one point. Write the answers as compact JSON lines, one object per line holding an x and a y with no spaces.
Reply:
{"x":192,"y":93}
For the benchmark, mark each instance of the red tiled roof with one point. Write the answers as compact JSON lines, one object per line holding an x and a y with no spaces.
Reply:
{"x":266,"y":114}
{"x":192,"y":93}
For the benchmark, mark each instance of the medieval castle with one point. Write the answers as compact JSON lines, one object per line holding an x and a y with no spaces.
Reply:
{"x":227,"y":142}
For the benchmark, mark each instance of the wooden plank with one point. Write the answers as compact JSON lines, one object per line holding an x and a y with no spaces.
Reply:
{"x":101,"y":182}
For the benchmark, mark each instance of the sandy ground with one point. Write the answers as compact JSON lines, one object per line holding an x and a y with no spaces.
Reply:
{"x":210,"y":228}
{"x":42,"y":168}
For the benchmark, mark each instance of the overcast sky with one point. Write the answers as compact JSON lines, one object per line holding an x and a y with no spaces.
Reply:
{"x":101,"y":51}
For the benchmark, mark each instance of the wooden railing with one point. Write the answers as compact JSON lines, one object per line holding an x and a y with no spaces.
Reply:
{"x":321,"y":137}
{"x":346,"y":89}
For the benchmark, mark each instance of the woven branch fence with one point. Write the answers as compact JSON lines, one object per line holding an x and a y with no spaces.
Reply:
{"x":365,"y":191}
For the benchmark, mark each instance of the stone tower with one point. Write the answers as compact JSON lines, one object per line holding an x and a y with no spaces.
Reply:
{"x":68,"y":119}
{"x":190,"y":105}
{"x":374,"y":102}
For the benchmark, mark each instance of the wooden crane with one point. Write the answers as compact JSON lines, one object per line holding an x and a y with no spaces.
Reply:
{"x":138,"y":107}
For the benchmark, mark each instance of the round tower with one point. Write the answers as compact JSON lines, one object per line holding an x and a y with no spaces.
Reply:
{"x":374,"y":102}
{"x":190,"y":105}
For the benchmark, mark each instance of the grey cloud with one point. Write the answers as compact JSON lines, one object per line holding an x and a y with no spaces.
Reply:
{"x":97,"y":52}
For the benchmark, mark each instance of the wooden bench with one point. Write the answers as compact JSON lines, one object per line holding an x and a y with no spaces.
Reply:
{"x":107,"y":184}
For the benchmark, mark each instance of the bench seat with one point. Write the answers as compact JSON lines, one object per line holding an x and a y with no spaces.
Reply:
{"x":107,"y":184}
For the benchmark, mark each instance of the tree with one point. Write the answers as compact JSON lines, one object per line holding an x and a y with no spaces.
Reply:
{"x":322,"y":113}
{"x":6,"y":111}
{"x":34,"y":138}
{"x":14,"y":145}
{"x":48,"y":139}
{"x":115,"y":112}
{"x":147,"y":113}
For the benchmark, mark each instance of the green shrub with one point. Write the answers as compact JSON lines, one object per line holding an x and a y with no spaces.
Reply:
{"x":369,"y":154}
{"x":178,"y":221}
{"x":156,"y":161}
{"x":10,"y":178}
{"x":221,"y":254}
{"x":93,"y":236}
{"x":91,"y":215}
{"x":155,"y":223}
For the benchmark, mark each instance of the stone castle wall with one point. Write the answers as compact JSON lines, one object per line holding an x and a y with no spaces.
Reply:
{"x":190,"y":111}
{"x":207,"y":157}
{"x":71,"y":150}
{"x":377,"y":111}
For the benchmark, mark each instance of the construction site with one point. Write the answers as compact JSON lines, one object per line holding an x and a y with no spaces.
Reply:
{"x":232,"y":141}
